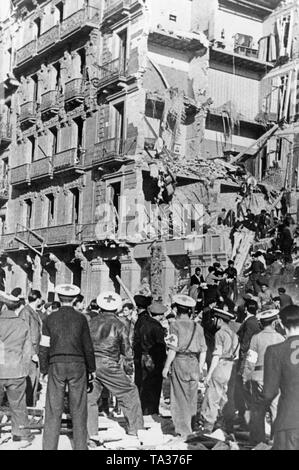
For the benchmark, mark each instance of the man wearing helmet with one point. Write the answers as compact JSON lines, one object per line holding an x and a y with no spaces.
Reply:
{"x":110,"y":341}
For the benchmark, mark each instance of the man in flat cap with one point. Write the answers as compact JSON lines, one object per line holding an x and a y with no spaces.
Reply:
{"x":111,"y":341}
{"x":186,"y":357}
{"x":149,"y":354}
{"x":224,"y":356}
{"x":254,"y":371}
{"x":15,"y":358}
{"x":71,"y":357}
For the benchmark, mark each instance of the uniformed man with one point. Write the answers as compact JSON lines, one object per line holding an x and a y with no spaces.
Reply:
{"x":254,"y":371}
{"x":281,"y":373}
{"x":71,"y":357}
{"x":186,"y":357}
{"x":219,"y":373}
{"x":149,"y":355}
{"x":110,"y":340}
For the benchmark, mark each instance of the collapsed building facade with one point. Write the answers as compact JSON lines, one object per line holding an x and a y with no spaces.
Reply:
{"x":125,"y":117}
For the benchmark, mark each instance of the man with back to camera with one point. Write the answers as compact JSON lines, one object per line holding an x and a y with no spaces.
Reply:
{"x":71,"y":356}
{"x":281,"y":373}
{"x":110,"y":341}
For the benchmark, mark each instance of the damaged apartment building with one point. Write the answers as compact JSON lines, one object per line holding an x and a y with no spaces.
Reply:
{"x":118,"y":110}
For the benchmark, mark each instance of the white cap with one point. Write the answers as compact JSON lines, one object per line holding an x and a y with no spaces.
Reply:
{"x":269,"y":314}
{"x":109,"y":301}
{"x":67,"y":290}
{"x":184,"y":301}
{"x":8,"y":299}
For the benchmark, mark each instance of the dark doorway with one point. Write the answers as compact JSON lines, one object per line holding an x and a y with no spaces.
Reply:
{"x":76,"y":269}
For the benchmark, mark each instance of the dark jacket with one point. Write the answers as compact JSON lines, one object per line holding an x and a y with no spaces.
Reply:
{"x":249,"y":327}
{"x":149,"y":337}
{"x":69,"y":337}
{"x":195,"y":280}
{"x":109,"y":337}
{"x":15,"y":346}
{"x":35,"y":326}
{"x":284,"y":300}
{"x":281,"y":372}
{"x":256,"y":269}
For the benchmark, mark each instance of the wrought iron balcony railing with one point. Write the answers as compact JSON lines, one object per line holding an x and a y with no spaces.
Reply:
{"x":20,"y":175}
{"x":86,"y":18}
{"x":74,"y":90}
{"x":49,"y":102}
{"x":28,"y":112}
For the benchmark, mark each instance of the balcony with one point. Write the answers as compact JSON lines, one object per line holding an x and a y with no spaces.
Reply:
{"x":26,"y":52}
{"x":48,"y":38}
{"x":53,"y":236}
{"x":109,"y":151}
{"x":50,"y":104}
{"x":5,"y":134}
{"x":68,"y":160}
{"x":117,"y":10}
{"x":83,"y":20}
{"x":74,"y":92}
{"x":41,"y":169}
{"x":4,"y":190}
{"x":20,"y":175}
{"x":111,"y":75}
{"x":28,"y":114}
{"x":87,"y":19}
{"x":235,"y":59}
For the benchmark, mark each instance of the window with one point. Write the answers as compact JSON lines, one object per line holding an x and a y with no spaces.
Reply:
{"x":38,"y":22}
{"x":79,"y":135}
{"x":75,"y":205}
{"x":54,"y":135}
{"x":82,"y":55}
{"x":28,"y":213}
{"x":32,"y":141}
{"x":5,"y":168}
{"x":2,"y":224}
{"x":35,"y":88}
{"x":172,"y":18}
{"x":60,"y":8}
{"x":115,"y":192}
{"x":57,"y":67}
{"x":51,"y":209}
{"x":119,"y":125}
{"x":123,"y":49}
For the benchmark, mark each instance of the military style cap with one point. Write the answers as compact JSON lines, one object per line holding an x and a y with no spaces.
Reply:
{"x":223,"y":314}
{"x":8,"y":299}
{"x":142,"y":301}
{"x":271,"y":314}
{"x":184,"y":301}
{"x":157,"y":308}
{"x":67,"y":290}
{"x":109,"y":301}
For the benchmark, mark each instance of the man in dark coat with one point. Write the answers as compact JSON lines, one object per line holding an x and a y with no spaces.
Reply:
{"x":284,"y":299}
{"x":281,"y":373}
{"x":111,"y":341}
{"x":32,"y":318}
{"x":255,"y":272}
{"x":71,"y":357}
{"x":149,"y":355}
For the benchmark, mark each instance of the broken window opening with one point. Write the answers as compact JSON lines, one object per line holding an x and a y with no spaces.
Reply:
{"x":28,"y":213}
{"x":38,"y":24}
{"x":57,"y":67}
{"x":32,"y":141}
{"x":54,"y":133}
{"x":123,"y":39}
{"x":60,"y":8}
{"x":82,"y":55}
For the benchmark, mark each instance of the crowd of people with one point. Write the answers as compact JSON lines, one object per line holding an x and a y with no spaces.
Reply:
{"x":241,"y":346}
